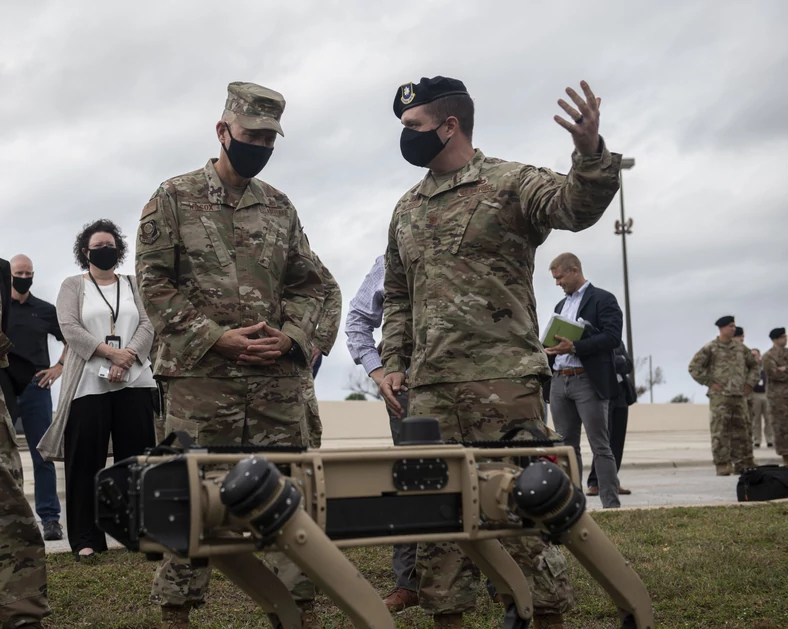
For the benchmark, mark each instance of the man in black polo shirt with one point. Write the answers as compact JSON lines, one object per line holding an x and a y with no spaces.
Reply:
{"x":31,"y":321}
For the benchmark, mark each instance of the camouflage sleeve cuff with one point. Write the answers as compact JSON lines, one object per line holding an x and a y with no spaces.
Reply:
{"x":395,"y":365}
{"x":299,"y":337}
{"x":5,"y":344}
{"x":203,"y":341}
{"x":603,"y":159}
{"x":321,"y":343}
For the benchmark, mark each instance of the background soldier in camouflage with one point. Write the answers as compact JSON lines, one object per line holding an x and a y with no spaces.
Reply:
{"x":730,"y":371}
{"x":229,"y":283}
{"x":775,"y":365}
{"x":23,"y":575}
{"x":738,"y":336}
{"x":328,"y":323}
{"x":460,"y":307}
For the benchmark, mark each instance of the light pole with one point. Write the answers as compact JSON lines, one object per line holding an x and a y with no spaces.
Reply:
{"x":624,"y":227}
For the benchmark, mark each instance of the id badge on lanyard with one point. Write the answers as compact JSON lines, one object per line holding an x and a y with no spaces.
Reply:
{"x":112,"y":339}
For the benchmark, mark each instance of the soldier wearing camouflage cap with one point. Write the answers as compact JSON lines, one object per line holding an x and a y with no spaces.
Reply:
{"x":229,"y":282}
{"x":460,"y":311}
{"x":730,"y":371}
{"x":23,"y":572}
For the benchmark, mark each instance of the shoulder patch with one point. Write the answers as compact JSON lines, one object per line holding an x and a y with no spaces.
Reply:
{"x":149,"y":232}
{"x":150,"y":207}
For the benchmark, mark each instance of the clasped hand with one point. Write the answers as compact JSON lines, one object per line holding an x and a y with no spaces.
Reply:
{"x":245,"y":348}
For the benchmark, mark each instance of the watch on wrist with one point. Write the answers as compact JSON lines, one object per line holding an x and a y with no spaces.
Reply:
{"x":60,"y":362}
{"x":572,"y":349}
{"x":295,"y":351}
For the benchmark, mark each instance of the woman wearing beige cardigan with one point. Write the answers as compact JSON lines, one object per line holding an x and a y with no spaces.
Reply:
{"x":107,"y":388}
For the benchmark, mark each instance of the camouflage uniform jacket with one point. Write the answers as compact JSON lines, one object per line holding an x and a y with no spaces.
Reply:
{"x":459,"y":299}
{"x":330,"y":316}
{"x":5,"y":343}
{"x":776,"y":380}
{"x":205,"y":267}
{"x":730,"y":365}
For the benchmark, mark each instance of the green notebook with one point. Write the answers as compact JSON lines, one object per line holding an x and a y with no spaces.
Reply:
{"x":561,"y":326}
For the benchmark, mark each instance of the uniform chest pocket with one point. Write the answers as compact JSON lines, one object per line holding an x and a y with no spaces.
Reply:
{"x":483,"y":225}
{"x":409,"y":248}
{"x":219,"y":248}
{"x":464,"y":216}
{"x":275,"y":244}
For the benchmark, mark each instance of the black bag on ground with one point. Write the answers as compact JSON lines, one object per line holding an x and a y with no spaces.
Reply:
{"x":766,"y":482}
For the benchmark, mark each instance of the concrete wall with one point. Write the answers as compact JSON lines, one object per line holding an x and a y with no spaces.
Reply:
{"x":366,"y":423}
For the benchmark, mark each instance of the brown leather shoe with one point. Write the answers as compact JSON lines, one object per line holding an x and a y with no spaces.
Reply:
{"x":624,"y":492}
{"x":593,"y":490}
{"x":175,"y":616}
{"x":551,"y":621}
{"x":724,"y":470}
{"x":400,"y":599}
{"x":447,"y":621}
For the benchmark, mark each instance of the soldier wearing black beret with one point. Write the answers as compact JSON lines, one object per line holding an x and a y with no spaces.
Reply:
{"x":459,"y":312}
{"x":775,"y":366}
{"x":730,"y":371}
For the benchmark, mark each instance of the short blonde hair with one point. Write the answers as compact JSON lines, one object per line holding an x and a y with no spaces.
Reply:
{"x":567,"y":261}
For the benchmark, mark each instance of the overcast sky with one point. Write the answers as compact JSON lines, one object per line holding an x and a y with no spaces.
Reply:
{"x":100,"y":103}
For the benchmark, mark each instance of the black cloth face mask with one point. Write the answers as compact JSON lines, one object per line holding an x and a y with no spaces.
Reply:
{"x":421,"y":147}
{"x":22,"y":284}
{"x":104,"y":258}
{"x":246,"y":159}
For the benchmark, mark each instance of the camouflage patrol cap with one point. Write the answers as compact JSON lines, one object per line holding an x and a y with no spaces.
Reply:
{"x":254,"y":106}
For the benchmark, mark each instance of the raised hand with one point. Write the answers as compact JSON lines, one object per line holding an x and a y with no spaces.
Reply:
{"x":585,"y":119}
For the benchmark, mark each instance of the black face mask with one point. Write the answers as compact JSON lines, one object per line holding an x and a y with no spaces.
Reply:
{"x":104,"y":258}
{"x":421,"y":147}
{"x":22,"y":284}
{"x":247,"y":159}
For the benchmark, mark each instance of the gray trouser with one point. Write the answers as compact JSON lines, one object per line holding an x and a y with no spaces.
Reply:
{"x":758,"y":411}
{"x":404,"y":560}
{"x":574,"y":405}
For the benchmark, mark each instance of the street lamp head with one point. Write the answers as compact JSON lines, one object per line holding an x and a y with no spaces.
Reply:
{"x":627,"y":163}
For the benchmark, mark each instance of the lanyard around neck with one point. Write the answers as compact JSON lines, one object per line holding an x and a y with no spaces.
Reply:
{"x":113,"y":313}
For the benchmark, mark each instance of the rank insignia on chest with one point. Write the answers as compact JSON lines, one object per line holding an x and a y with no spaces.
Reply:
{"x":149,"y":232}
{"x":408,"y":94}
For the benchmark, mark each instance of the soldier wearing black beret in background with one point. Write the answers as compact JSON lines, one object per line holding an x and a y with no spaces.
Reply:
{"x":459,"y":309}
{"x":730,"y":371}
{"x":775,"y":365}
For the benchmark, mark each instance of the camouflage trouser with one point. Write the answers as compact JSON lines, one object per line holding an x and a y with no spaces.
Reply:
{"x":778,"y":412}
{"x":758,"y":412}
{"x":477,"y":411}
{"x":731,"y":441}
{"x":255,"y":410}
{"x":313,"y":427}
{"x":23,"y":572}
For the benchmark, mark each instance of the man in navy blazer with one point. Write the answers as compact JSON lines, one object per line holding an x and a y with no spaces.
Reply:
{"x":584,"y":376}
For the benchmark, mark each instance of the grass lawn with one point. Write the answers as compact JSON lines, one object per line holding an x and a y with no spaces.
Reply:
{"x":723,"y":567}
